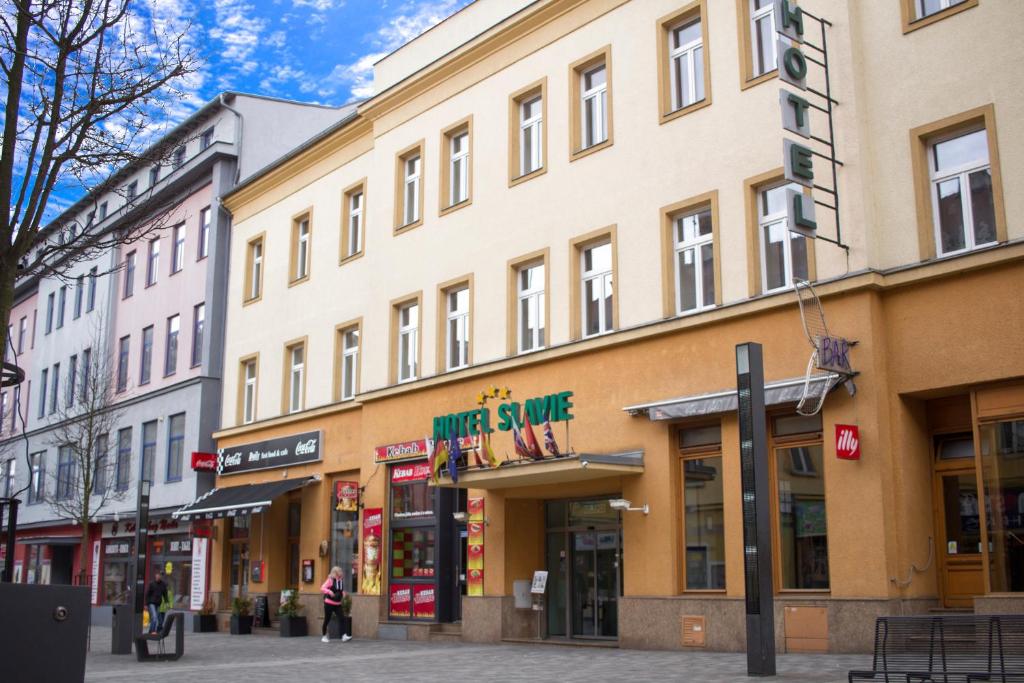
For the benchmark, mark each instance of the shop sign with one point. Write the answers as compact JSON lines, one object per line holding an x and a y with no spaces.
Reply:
{"x":118,"y":548}
{"x":423,"y":602}
{"x":417,"y":471}
{"x":475,"y":547}
{"x":346,"y":495}
{"x":410,"y":450}
{"x":183,"y":546}
{"x":400,"y":600}
{"x":285,"y":451}
{"x":469,"y":423}
{"x":373,"y":520}
{"x":833,"y":354}
{"x":204,"y":462}
{"x":163,"y":526}
{"x":848,"y":442}
{"x":198,"y":596}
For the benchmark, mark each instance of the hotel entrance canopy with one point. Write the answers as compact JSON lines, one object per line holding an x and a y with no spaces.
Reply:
{"x":231,"y":501}
{"x":565,"y":469}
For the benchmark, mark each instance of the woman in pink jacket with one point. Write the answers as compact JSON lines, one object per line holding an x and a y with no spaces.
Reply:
{"x":333,"y":590}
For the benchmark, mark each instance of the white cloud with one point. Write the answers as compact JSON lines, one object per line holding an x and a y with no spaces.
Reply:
{"x":358,"y":75}
{"x":413,"y":19}
{"x":319,"y":5}
{"x":276,"y":39}
{"x":239,"y":30}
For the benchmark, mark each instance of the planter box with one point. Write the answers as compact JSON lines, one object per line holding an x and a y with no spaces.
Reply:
{"x":241,"y":625}
{"x":204,"y":623}
{"x":293,"y":627}
{"x":339,"y":627}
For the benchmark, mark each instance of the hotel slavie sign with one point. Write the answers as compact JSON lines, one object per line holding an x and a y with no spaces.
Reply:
{"x":285,"y":451}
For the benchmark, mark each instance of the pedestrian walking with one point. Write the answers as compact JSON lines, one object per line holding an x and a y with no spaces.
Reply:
{"x":334,"y":592}
{"x":156,"y":593}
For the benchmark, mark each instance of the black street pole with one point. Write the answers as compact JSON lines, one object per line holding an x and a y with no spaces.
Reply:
{"x":12,"y":527}
{"x":141,"y":546}
{"x":757,"y":541}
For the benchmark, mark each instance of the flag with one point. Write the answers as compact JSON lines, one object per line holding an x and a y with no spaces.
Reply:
{"x":478,"y":450}
{"x":530,"y":438}
{"x":549,"y":437}
{"x":439,"y":459}
{"x":428,"y":446}
{"x":517,"y":439}
{"x":454,"y":455}
{"x":488,"y":452}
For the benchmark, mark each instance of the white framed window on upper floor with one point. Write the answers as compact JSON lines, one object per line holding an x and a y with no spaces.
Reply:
{"x":347,"y":342}
{"x":146,"y":356}
{"x":917,"y":14}
{"x":253,"y":283}
{"x":171,"y":345}
{"x":409,"y":187}
{"x":455,"y":323}
{"x":129,"y":275}
{"x":528,"y":317}
{"x":405,"y":344}
{"x":590,"y":82}
{"x":353,"y":218}
{"x":198,"y":328}
{"x":294,"y":398}
{"x":122,"y":362}
{"x":301,"y":242}
{"x":153,"y":261}
{"x":684,"y":73}
{"x":781,"y":256}
{"x":205,"y":217}
{"x":90,"y":299}
{"x":457,"y":168}
{"x":758,"y":60}
{"x":691,"y":264}
{"x":247,"y":385}
{"x":593,"y":268}
{"x":178,"y":257}
{"x":79,"y":296}
{"x":527,"y":132}
{"x":62,"y":302}
{"x":50,"y":302}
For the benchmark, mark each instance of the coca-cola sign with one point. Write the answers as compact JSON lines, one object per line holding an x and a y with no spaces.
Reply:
{"x":281,"y":452}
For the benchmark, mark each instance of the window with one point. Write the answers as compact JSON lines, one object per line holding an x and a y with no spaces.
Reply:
{"x":407,"y":359}
{"x":54,"y":387}
{"x":527,"y":132}
{"x":248,"y":390}
{"x":37,"y":478}
{"x":91,"y":299}
{"x":122,"y":363}
{"x":3,"y":409}
{"x":153,"y":262}
{"x":206,"y":138}
{"x":352,"y":229}
{"x":456,"y":326}
{"x":178,"y":256}
{"x":590,"y":89}
{"x":530,"y":305}
{"x":1001,"y":452}
{"x":683,"y":71}
{"x":103,"y":210}
{"x":131,"y":191}
{"x":175,"y":446}
{"x":703,"y":509}
{"x":300,"y":248}
{"x":295,"y":357}
{"x":49,"y":312}
{"x":348,"y":342}
{"x":124,"y":458}
{"x":22,"y":331}
{"x":693,"y":249}
{"x":920,"y":13}
{"x":171,"y":348}
{"x":79,"y":292}
{"x":456,"y":171}
{"x":42,"y":392}
{"x":86,"y":373}
{"x":961,"y":182}
{"x":65,"y":473}
{"x":154,"y":175}
{"x":592,"y":308}
{"x":101,"y":465}
{"x":594,"y":88}
{"x":129,"y":275}
{"x":72,"y":380}
{"x":16,"y":407}
{"x":409,"y":193}
{"x":9,"y":346}
{"x":62,"y":300}
{"x":10,"y":470}
{"x":146,"y":360}
{"x":254,"y":270}
{"x":148,"y":450}
{"x":198,"y":323}
{"x":204,"y":232}
{"x":777,"y":255}
{"x":179,"y":157}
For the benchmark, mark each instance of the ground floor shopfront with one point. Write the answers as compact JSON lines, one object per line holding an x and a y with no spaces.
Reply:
{"x":929,"y":515}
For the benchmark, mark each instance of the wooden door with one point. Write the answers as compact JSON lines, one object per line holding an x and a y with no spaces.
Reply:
{"x":958,"y":529}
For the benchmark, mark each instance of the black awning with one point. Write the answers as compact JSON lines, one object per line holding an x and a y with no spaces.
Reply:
{"x":231,"y":501}
{"x":50,"y":540}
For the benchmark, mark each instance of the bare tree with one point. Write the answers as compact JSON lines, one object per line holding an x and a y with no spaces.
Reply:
{"x":86,"y":477}
{"x":88,"y":83}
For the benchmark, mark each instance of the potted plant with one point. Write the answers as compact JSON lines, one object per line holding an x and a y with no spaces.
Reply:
{"x":344,"y":628}
{"x":241,"y":616}
{"x":206,"y":620}
{"x":292,"y":624}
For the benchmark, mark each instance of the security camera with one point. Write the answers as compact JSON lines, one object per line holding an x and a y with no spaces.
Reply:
{"x":584,"y":464}
{"x":619,"y":504}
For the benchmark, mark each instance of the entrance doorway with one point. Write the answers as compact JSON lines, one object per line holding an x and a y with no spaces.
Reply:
{"x":584,"y":563}
{"x":239,"y":567}
{"x":62,"y":559}
{"x":958,"y":520}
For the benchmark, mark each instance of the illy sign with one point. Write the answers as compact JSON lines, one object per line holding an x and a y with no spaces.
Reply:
{"x":847,"y":442}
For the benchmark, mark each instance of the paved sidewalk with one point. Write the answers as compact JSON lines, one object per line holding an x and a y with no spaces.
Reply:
{"x":225,"y":658}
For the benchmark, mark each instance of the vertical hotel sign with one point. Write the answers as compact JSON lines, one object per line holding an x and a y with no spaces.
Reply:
{"x":475,"y":548}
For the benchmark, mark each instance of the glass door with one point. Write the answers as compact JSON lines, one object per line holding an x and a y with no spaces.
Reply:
{"x":595,"y":585}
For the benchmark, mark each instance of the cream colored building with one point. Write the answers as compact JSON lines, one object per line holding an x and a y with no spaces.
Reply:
{"x":938,"y":326}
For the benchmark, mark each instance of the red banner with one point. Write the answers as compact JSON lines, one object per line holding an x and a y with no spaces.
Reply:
{"x":411,"y":472}
{"x":204,"y":462}
{"x":373,"y":520}
{"x":423,"y":602}
{"x":346,"y":495}
{"x":400,"y":602}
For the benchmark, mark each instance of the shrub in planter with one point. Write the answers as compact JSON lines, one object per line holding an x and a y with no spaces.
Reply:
{"x":292,"y":624}
{"x":206,"y":620}
{"x":241,"y":616}
{"x":343,"y":625}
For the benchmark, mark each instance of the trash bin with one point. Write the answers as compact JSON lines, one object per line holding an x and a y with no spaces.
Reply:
{"x":122,"y":630}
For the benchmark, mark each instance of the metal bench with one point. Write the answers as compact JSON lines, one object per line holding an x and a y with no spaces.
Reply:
{"x":947,"y":649}
{"x":173,"y":620}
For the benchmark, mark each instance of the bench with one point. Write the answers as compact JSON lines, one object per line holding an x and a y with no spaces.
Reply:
{"x":947,"y":649}
{"x":175,"y":620}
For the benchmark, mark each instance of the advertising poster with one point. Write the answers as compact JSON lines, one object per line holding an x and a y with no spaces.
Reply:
{"x":400,"y":602}
{"x":423,"y":602}
{"x":475,"y":547}
{"x":346,"y":494}
{"x":198,"y":596}
{"x":372,"y":532}
{"x":95,"y":572}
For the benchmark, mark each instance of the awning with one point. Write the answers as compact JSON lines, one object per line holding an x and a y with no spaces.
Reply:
{"x":569,"y":468}
{"x":50,"y":540}
{"x":775,"y":393}
{"x":231,"y":501}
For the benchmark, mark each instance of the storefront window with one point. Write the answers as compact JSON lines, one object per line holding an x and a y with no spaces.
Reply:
{"x":410,"y":494}
{"x":412,"y":553}
{"x":345,"y":532}
{"x":1002,"y":467}
{"x":705,"y":528}
{"x":172,"y":555}
{"x":117,"y":556}
{"x":803,"y":533}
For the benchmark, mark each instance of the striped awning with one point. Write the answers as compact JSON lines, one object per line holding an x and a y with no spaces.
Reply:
{"x":232,"y":501}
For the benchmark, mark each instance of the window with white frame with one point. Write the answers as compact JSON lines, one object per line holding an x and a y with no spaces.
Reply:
{"x":926,"y":8}
{"x":458,"y":168}
{"x":42,"y":391}
{"x":3,"y":409}
{"x":255,"y":274}
{"x":531,"y":135}
{"x":204,"y":232}
{"x":762,"y":36}
{"x":178,"y":257}
{"x":72,"y":380}
{"x":408,"y":341}
{"x":171,"y":345}
{"x":349,"y":362}
{"x":122,"y":363}
{"x":693,"y":241}
{"x":198,"y":325}
{"x":456,"y":328}
{"x":248,"y":391}
{"x":90,"y":300}
{"x":79,"y":295}
{"x":355,"y":223}
{"x":594,"y":106}
{"x":148,"y":450}
{"x":146,"y":357}
{"x":129,"y":275}
{"x":412,"y":166}
{"x":961,"y":181}
{"x":296,"y":377}
{"x":62,"y":300}
{"x":783,"y":253}
{"x":686,"y":63}
{"x":530,"y":306}
{"x":300,"y":267}
{"x":153,"y":262}
{"x":65,"y":473}
{"x":10,"y":471}
{"x":596,"y":288}
{"x":16,"y":407}
{"x":54,"y":388}
{"x":37,"y":478}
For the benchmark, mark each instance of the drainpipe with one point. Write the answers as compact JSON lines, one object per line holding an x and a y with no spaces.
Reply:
{"x":238,"y":137}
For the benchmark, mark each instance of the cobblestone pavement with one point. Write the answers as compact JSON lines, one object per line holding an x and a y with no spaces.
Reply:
{"x":225,"y":658}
